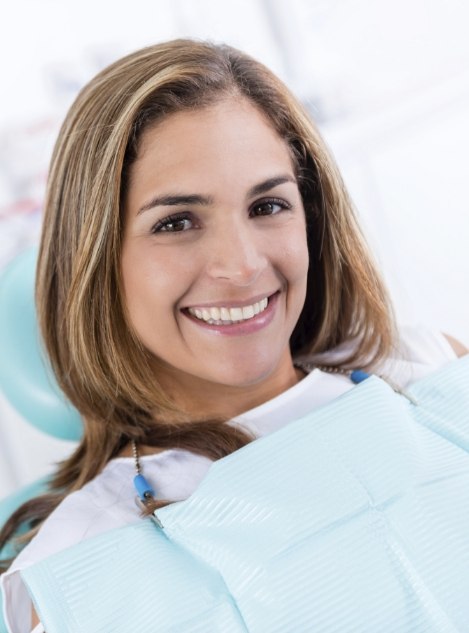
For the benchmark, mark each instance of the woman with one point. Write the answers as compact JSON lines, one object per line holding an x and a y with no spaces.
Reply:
{"x":199,"y":258}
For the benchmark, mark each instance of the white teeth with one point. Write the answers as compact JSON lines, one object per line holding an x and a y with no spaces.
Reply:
{"x":224,"y":316}
{"x":260,"y":306}
{"x":236,"y":314}
{"x":248,"y":312}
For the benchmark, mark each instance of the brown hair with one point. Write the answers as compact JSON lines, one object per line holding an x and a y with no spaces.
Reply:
{"x":99,"y":363}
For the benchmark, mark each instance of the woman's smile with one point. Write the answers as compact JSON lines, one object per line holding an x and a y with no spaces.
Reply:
{"x":236,"y":320}
{"x":214,"y":257}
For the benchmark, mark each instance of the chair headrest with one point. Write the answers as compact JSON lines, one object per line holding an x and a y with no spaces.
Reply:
{"x":25,"y":375}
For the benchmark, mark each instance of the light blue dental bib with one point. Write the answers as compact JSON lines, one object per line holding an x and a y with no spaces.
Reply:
{"x":352,"y":519}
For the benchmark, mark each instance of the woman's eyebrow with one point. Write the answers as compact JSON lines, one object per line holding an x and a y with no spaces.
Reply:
{"x":269,"y":184}
{"x":169,"y":200}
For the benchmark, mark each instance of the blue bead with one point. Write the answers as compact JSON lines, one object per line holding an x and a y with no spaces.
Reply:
{"x":143,"y":487}
{"x":358,"y":375}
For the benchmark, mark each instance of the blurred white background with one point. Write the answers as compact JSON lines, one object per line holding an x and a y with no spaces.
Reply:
{"x":388,"y":84}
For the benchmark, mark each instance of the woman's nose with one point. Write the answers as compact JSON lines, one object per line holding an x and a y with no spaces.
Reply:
{"x":237,"y":255}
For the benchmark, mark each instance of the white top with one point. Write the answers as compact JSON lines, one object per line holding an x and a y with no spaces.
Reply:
{"x":108,"y":501}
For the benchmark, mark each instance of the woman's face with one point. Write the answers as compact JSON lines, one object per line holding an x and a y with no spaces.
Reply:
{"x":215,"y":260}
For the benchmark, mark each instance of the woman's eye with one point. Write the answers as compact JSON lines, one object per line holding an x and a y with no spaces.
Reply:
{"x":269,"y":207}
{"x":173,"y":224}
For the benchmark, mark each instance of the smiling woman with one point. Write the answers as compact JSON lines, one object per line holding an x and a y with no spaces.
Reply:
{"x":203,"y":283}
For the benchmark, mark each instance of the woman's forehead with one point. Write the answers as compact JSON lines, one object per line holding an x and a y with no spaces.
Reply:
{"x":219,"y":118}
{"x":230,"y":141}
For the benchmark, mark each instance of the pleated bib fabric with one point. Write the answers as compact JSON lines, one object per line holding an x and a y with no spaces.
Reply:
{"x":354,"y":519}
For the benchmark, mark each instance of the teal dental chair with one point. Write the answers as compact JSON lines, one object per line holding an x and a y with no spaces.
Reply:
{"x":25,"y":377}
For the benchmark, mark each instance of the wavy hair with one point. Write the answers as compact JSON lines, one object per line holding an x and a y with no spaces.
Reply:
{"x":99,"y":363}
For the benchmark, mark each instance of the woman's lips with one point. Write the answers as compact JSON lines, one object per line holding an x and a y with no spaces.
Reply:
{"x":262,"y":314}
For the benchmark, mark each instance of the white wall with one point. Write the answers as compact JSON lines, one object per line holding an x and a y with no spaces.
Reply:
{"x":388,"y":83}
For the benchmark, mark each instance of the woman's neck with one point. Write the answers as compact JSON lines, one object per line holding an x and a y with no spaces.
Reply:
{"x":200,"y":399}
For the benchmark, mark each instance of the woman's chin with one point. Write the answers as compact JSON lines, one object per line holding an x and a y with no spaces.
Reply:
{"x":243,"y":375}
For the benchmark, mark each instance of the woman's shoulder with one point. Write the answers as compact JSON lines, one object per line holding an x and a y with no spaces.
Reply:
{"x":109,"y":501}
{"x":106,"y":502}
{"x":102,"y":504}
{"x":424,"y":345}
{"x":418,"y":351}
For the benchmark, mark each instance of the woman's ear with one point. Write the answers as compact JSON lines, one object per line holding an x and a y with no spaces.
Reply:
{"x":458,"y":347}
